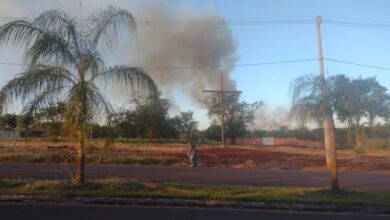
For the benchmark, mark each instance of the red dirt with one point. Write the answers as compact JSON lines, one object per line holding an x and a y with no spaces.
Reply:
{"x":264,"y":157}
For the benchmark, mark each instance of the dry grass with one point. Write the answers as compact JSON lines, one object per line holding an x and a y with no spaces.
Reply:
{"x":264,"y":157}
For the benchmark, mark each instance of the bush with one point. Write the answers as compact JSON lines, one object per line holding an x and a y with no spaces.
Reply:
{"x":378,"y":144}
{"x":169,"y":161}
{"x":359,"y":150}
{"x":148,"y":161}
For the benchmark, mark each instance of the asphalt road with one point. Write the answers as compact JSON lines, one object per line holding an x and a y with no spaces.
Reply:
{"x":100,"y":212}
{"x":200,"y":175}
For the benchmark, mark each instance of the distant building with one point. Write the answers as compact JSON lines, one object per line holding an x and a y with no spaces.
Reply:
{"x":9,"y":133}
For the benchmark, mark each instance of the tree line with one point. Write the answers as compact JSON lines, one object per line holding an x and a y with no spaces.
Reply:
{"x":320,"y":99}
{"x":147,"y":119}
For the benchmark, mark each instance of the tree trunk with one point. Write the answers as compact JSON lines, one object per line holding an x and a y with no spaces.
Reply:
{"x":357,"y":133}
{"x":330,"y":152}
{"x":327,"y":141}
{"x":80,"y":172}
{"x":233,"y":140}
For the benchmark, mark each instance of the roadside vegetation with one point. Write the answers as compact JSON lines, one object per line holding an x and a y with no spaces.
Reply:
{"x":116,"y":187}
{"x":65,"y":64}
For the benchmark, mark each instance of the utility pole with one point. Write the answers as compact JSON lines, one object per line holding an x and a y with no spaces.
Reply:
{"x":221,"y":96}
{"x":329,"y":128}
{"x":319,"y":46}
{"x":322,"y":77}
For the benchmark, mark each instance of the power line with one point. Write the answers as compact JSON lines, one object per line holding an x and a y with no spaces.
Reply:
{"x":243,"y":64}
{"x":233,"y":65}
{"x":349,"y":22}
{"x":357,"y":64}
{"x":263,"y":21}
{"x":357,"y":24}
{"x":11,"y":64}
{"x":227,"y":22}
{"x":204,"y":67}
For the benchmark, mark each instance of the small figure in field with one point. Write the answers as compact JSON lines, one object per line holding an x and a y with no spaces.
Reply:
{"x":192,"y":154}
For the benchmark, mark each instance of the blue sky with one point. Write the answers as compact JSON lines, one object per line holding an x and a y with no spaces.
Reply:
{"x":260,"y":43}
{"x":290,"y":42}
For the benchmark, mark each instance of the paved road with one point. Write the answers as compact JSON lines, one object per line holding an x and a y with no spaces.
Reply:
{"x":99,"y":212}
{"x":200,"y":175}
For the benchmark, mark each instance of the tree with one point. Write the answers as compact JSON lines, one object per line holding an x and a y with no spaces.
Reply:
{"x":124,"y":124}
{"x":360,"y":98}
{"x":238,"y":114}
{"x":313,"y":99}
{"x":63,"y":61}
{"x":9,"y":120}
{"x":151,"y":115}
{"x":186,"y":123}
{"x":52,"y":117}
{"x":213,"y":132}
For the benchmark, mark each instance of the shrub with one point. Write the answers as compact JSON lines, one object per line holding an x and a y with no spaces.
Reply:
{"x":359,"y":150}
{"x":169,"y":161}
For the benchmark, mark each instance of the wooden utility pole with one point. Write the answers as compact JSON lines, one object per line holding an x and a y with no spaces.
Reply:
{"x":319,"y":46}
{"x":221,"y":95}
{"x":329,"y":128}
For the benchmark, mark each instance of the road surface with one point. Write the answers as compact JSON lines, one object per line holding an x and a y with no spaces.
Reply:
{"x":200,"y":175}
{"x":100,"y":212}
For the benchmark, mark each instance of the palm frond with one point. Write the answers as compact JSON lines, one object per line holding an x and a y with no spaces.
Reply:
{"x":50,"y":49}
{"x":19,"y":33}
{"x":42,"y":100}
{"x":36,"y":80}
{"x":102,"y":107}
{"x":106,"y":25}
{"x":92,"y":62}
{"x":54,"y":21}
{"x":57,"y":23}
{"x":131,"y":77}
{"x":312,"y":97}
{"x":79,"y":108}
{"x":307,"y":109}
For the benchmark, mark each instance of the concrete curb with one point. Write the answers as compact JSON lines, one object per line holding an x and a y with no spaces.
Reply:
{"x":193,"y":203}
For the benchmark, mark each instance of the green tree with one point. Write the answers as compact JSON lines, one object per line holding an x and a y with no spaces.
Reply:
{"x":52,"y":117}
{"x":358,"y":99}
{"x":124,"y":124}
{"x":187,"y":124}
{"x":238,"y":114}
{"x":313,"y":99}
{"x":151,"y":116}
{"x":9,"y":120}
{"x":63,"y":61}
{"x":213,"y":132}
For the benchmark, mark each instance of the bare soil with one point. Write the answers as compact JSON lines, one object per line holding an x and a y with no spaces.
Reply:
{"x":264,"y":157}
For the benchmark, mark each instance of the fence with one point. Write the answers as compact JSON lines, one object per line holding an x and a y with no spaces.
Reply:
{"x":272,"y":141}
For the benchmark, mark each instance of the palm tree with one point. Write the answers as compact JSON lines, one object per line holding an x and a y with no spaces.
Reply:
{"x":313,"y":100}
{"x":64,"y":62}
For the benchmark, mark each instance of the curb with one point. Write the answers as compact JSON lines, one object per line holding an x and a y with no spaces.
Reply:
{"x":194,"y":203}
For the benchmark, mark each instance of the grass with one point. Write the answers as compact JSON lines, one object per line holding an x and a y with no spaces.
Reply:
{"x":116,"y":187}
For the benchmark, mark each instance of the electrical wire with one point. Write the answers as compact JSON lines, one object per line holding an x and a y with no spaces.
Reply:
{"x":264,"y":21}
{"x":357,"y":64}
{"x":205,"y":67}
{"x":245,"y":64}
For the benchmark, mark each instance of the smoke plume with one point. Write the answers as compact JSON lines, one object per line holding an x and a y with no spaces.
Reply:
{"x":271,"y":119}
{"x":172,"y":43}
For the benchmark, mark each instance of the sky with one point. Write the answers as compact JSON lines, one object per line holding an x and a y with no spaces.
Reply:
{"x":235,"y":44}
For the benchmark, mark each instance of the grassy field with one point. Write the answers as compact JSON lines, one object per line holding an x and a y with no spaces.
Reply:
{"x":211,"y":155}
{"x":116,"y":187}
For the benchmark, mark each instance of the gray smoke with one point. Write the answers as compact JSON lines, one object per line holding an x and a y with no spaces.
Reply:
{"x":272,"y":119}
{"x":164,"y":40}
